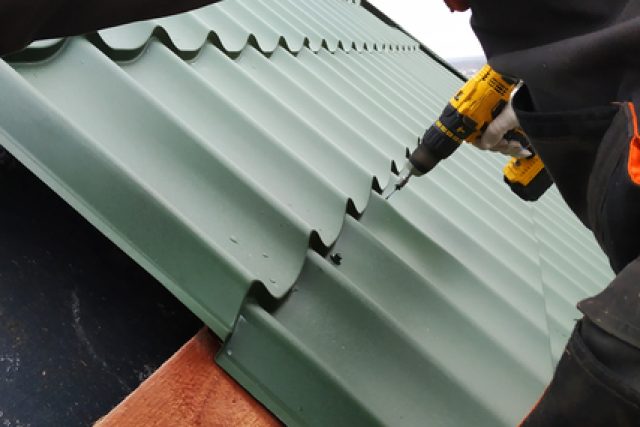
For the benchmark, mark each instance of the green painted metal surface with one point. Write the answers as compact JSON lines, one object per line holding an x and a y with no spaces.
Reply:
{"x":445,"y":310}
{"x":572,"y":267}
{"x":226,"y":149}
{"x":213,"y":173}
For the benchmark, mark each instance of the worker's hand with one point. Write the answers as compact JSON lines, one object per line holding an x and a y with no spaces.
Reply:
{"x":493,"y":138}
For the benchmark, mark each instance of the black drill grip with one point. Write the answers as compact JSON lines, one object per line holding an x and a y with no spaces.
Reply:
{"x":441,"y":139}
{"x":518,"y":134}
{"x":434,"y":147}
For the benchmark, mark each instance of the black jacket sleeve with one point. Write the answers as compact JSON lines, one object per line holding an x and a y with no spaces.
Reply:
{"x":23,"y":21}
{"x":571,"y":54}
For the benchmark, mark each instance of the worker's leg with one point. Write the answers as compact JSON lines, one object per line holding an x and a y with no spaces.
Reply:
{"x":586,"y":392}
{"x":6,"y":159}
{"x":597,"y":382}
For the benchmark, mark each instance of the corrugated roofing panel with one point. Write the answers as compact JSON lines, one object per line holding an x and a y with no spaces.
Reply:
{"x":442,"y":311}
{"x":296,"y":154}
{"x":402,"y":328}
{"x":225,"y":165}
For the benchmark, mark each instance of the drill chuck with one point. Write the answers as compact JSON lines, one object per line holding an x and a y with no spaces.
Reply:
{"x":437,"y":144}
{"x":423,"y":160}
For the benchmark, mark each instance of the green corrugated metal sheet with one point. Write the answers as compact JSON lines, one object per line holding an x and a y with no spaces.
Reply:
{"x":232,"y":148}
{"x":434,"y":323}
{"x":281,"y":136}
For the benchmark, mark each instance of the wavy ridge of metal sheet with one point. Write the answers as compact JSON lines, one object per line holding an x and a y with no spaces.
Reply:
{"x":234,"y":25}
{"x":334,"y":24}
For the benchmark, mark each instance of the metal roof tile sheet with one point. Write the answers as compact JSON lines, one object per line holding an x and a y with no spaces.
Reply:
{"x":412,"y":337}
{"x":226,"y":165}
{"x":183,"y":133}
{"x":421,"y":321}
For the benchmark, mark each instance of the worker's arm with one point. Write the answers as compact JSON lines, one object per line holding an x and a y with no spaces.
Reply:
{"x":493,"y":138}
{"x":23,"y":21}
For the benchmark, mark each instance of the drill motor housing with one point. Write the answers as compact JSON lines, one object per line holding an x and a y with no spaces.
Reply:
{"x":466,"y":117}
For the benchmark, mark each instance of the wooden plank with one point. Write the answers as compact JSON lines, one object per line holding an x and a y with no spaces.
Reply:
{"x":189,"y":389}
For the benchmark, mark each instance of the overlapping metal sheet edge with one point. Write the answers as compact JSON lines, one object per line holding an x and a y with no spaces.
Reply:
{"x":233,"y":25}
{"x":571,"y":264}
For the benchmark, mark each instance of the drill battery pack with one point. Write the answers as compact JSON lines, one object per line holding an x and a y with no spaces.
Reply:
{"x":527,"y":178}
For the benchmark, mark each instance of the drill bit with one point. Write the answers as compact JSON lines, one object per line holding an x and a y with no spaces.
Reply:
{"x":403,"y":178}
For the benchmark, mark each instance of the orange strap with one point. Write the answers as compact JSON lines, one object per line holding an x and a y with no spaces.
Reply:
{"x":633,"y":166}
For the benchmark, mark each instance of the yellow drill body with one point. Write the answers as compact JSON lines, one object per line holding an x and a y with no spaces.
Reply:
{"x":480,"y":100}
{"x":465,"y":118}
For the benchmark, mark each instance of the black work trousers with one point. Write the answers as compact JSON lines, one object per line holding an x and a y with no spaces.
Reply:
{"x":592,"y":155}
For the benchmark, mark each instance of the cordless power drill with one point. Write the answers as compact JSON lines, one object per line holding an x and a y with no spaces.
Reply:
{"x":464,"y":118}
